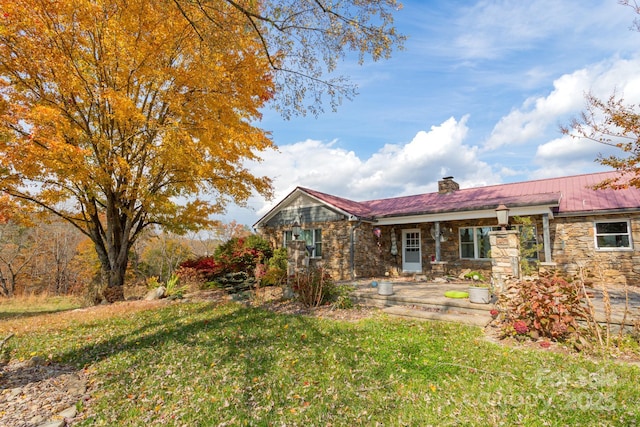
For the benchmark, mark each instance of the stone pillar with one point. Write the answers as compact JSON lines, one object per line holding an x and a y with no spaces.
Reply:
{"x":439,"y":268}
{"x":296,"y":257}
{"x":297,"y":261}
{"x":505,"y":257}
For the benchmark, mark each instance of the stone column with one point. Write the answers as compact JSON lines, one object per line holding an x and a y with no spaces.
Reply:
{"x":297,"y":261}
{"x":296,"y":256}
{"x":439,"y":268}
{"x":505,"y":257}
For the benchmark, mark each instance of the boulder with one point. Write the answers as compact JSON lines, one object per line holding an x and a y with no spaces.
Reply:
{"x":156,"y":293}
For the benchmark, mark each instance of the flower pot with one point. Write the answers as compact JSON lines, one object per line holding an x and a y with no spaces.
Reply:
{"x":479,"y":295}
{"x":385,"y":288}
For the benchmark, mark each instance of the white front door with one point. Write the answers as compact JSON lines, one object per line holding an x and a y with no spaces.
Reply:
{"x":411,"y":252}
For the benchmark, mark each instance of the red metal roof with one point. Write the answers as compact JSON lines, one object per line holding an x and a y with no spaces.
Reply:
{"x":354,"y":208}
{"x":572,"y":194}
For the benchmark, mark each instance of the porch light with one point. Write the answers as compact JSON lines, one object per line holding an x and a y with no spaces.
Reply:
{"x":502,"y":212}
{"x":296,"y":230}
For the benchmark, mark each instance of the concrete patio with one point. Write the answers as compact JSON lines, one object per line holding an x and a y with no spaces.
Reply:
{"x":426,"y":300}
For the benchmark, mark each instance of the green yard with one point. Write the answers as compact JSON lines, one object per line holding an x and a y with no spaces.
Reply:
{"x":188,"y":364}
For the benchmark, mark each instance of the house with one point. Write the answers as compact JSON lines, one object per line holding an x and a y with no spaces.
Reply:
{"x":563,"y":223}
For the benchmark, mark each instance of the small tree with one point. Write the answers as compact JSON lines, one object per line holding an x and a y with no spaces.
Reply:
{"x":18,"y":247}
{"x":162,"y":255}
{"x":616,"y":124}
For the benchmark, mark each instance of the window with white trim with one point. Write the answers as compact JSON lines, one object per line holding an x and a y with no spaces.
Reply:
{"x":613,"y":235}
{"x":474,"y":242}
{"x":312,"y":238}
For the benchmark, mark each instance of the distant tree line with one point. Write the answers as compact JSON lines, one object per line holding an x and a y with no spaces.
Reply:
{"x":41,"y":254}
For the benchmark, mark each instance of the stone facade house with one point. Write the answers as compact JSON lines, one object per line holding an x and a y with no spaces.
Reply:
{"x":562,"y":224}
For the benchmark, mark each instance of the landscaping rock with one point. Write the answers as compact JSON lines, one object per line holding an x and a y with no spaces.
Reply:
{"x":156,"y":293}
{"x":70,"y":412}
{"x":42,"y":395}
{"x":35,"y":361}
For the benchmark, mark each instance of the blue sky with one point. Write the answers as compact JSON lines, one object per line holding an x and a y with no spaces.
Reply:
{"x":479,"y":93}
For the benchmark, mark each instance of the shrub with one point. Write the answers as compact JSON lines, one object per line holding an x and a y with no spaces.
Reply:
{"x":279,"y":259}
{"x":174,"y":288}
{"x":248,"y":255}
{"x":342,"y":297}
{"x":242,"y":254}
{"x":314,"y":287}
{"x":549,"y":306}
{"x":191,"y":278}
{"x":207,"y":267}
{"x":276,"y":268}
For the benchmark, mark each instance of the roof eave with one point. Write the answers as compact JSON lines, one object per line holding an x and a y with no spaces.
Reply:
{"x":299,"y":190}
{"x":598,"y":212}
{"x":460,"y":215}
{"x":274,"y":210}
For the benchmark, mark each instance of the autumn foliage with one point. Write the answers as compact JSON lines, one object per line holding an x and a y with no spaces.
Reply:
{"x":117,"y":115}
{"x":235,"y":255}
{"x":122,"y":115}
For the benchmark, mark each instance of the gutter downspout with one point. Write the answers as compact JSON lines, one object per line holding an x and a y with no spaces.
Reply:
{"x":352,"y":247}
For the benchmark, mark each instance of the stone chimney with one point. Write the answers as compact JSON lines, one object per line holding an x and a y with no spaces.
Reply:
{"x":447,"y":185}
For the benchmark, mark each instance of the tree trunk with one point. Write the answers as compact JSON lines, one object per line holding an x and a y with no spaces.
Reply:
{"x":5,"y":289}
{"x":114,"y":275}
{"x":113,"y":260}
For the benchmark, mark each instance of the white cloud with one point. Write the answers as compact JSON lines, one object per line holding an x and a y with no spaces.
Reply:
{"x":537,"y":115}
{"x":394,"y":170}
{"x":567,"y":156}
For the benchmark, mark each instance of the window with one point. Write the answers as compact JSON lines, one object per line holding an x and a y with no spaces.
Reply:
{"x":474,"y":242}
{"x":613,"y":235}
{"x":311,"y":237}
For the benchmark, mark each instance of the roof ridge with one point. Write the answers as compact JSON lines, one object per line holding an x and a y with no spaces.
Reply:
{"x":558,"y":178}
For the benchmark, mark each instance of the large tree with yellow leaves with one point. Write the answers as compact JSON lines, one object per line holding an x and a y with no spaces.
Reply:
{"x":120,"y":114}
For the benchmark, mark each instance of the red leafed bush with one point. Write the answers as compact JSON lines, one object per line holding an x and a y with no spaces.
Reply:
{"x":549,"y":307}
{"x":243,"y":254}
{"x":520,"y":327}
{"x":234,"y":256}
{"x":206,"y":266}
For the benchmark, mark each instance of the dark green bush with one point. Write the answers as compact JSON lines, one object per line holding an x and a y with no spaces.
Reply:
{"x":274,"y":272}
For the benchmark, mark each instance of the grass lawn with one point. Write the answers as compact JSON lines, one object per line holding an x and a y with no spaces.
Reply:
{"x":35,"y":306}
{"x":200,"y":364}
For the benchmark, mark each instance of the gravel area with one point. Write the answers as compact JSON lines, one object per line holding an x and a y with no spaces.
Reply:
{"x":38,"y":393}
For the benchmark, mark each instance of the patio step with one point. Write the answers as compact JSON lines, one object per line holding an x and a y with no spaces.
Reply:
{"x":412,"y":313}
{"x":438,"y":308}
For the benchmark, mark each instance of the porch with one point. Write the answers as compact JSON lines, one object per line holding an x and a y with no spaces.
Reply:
{"x":426,"y":300}
{"x":423,"y":300}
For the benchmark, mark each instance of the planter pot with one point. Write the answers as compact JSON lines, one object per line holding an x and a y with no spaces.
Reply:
{"x":479,"y":295}
{"x":385,"y":288}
